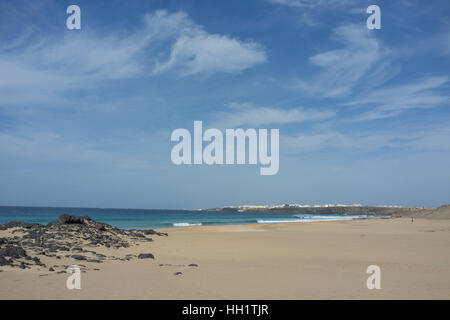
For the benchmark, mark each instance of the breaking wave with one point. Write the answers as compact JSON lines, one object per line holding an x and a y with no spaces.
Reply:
{"x":185,"y":224}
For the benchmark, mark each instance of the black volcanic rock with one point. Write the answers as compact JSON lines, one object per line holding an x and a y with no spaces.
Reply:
{"x":37,"y":261}
{"x":69,"y":236}
{"x":78,"y":257}
{"x":94,"y":260}
{"x":151,"y":231}
{"x":13,"y":252}
{"x":14,"y":224}
{"x":4,"y":262}
{"x":69,"y":219}
{"x":146,"y":256}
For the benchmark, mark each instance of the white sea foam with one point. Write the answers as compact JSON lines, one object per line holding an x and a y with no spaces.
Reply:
{"x":186,"y":224}
{"x":280,"y":221}
{"x":328,"y":217}
{"x":312,"y":218}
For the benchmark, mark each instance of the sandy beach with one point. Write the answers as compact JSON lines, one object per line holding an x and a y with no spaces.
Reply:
{"x":319,"y":260}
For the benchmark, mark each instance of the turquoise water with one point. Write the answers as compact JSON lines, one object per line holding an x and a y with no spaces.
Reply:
{"x":154,"y":219}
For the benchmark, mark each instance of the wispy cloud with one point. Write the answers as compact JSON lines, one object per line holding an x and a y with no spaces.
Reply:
{"x":197,"y":52}
{"x":165,"y":42}
{"x":344,"y":68}
{"x":389,"y":102}
{"x":245,"y":114}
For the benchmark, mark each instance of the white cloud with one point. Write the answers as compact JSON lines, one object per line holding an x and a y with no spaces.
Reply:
{"x":82,"y":59}
{"x":344,"y":68}
{"x":394,"y":100}
{"x":244,"y":114}
{"x":359,"y":68}
{"x":202,"y":53}
{"x":197,"y":52}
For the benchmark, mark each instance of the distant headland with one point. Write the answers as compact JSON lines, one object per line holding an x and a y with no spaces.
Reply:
{"x":384,"y":210}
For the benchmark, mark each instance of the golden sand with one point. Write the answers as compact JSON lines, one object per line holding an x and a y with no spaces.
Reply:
{"x":318,"y":260}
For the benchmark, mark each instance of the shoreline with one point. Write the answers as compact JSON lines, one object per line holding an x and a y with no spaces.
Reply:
{"x":156,"y":219}
{"x":224,"y":216}
{"x":165,"y":229}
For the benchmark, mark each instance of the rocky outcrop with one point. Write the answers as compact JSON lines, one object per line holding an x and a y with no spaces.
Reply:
{"x":70,"y":236}
{"x":18,"y":224}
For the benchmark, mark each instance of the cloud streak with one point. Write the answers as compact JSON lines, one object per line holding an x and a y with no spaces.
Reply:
{"x":344,"y":68}
{"x":245,"y":114}
{"x":392,"y":101}
{"x":164,"y":43}
{"x":197,"y":52}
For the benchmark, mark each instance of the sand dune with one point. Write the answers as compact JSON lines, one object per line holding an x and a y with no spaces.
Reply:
{"x":443,"y":212}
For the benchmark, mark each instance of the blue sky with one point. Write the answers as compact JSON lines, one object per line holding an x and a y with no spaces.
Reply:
{"x":86,"y":115}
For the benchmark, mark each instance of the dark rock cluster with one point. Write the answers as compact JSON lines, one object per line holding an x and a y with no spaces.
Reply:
{"x":146,"y":256}
{"x":12,"y":251}
{"x":70,"y":236}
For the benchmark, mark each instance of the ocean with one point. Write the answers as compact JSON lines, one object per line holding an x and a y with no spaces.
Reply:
{"x":154,"y":219}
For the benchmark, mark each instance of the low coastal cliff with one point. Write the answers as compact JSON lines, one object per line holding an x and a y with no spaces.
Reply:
{"x":442,"y":211}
